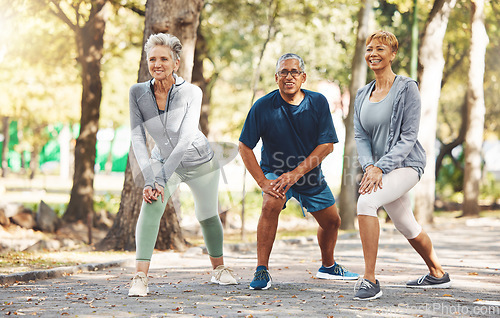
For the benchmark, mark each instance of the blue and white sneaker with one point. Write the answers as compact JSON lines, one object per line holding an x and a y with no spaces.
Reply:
{"x":261,"y":279}
{"x":336,"y":272}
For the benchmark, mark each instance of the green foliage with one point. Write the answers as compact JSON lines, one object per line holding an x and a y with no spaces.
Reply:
{"x":490,"y":188}
{"x":450,"y":179}
{"x":40,"y":86}
{"x":308,"y":28}
{"x":120,"y":65}
{"x":107,"y":202}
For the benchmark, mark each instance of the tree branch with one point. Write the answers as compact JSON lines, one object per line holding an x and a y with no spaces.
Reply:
{"x":449,"y":71}
{"x":131,"y":6}
{"x":58,"y":12}
{"x":447,"y":148}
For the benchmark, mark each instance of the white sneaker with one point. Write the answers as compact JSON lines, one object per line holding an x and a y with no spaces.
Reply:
{"x":139,"y":285}
{"x":223,"y":275}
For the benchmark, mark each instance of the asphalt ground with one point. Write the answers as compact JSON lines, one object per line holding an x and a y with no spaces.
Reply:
{"x":468,"y":249}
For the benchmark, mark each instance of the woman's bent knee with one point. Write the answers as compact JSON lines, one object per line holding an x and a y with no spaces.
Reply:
{"x":409,"y":231}
{"x":365,"y":206}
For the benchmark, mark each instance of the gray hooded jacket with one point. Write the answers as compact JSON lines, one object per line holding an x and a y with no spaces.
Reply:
{"x":178,"y":140}
{"x":403,"y":148}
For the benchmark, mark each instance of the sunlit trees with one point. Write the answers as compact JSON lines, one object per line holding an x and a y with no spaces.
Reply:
{"x":87,"y":21}
{"x":180,"y":18}
{"x":475,"y":110}
{"x":431,"y":62}
{"x":43,"y":93}
{"x":347,"y":198}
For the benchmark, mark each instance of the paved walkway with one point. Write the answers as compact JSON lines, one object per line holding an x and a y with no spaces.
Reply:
{"x":469,"y":251}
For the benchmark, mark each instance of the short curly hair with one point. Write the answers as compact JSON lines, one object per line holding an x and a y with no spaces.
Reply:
{"x":386,"y":38}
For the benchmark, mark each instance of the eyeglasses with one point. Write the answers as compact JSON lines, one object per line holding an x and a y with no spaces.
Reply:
{"x":284,"y":73}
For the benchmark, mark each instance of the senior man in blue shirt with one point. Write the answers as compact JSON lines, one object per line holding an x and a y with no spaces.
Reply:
{"x":297,"y":133}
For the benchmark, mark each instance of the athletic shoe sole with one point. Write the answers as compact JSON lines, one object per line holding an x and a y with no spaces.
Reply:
{"x":443,"y":285}
{"x":322,"y":275}
{"x":139,"y":295}
{"x":263,"y":288}
{"x":215,"y":281}
{"x":378,"y":295}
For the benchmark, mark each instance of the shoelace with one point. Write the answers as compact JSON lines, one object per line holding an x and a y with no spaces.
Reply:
{"x":362,"y":284}
{"x":262,"y":275}
{"x":421,"y":279}
{"x":340,"y":269}
{"x":144,"y":280}
{"x":218,"y":274}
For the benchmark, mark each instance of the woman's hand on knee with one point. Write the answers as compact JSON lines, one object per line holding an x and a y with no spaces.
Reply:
{"x":159,"y":191}
{"x":148,"y":194}
{"x":371,"y":181}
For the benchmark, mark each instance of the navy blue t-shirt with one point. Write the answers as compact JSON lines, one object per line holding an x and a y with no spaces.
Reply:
{"x":289,"y":134}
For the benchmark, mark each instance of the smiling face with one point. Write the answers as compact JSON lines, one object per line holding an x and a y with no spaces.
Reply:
{"x":378,"y":55}
{"x":161,"y":65}
{"x":288,"y":84}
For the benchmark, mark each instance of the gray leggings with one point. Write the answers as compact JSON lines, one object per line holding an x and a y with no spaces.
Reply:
{"x":203,"y":180}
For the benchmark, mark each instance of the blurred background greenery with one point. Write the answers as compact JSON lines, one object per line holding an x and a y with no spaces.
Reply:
{"x":40,"y":88}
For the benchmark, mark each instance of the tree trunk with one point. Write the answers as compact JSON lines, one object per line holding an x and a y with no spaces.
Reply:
{"x":348,"y":193}
{"x":90,"y":40}
{"x":431,"y":65}
{"x":475,"y":111}
{"x":199,"y":80}
{"x":5,"y":144}
{"x":34,"y":162}
{"x":414,"y":42}
{"x":180,"y":18}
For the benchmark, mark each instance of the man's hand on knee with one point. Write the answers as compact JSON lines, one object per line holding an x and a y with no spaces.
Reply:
{"x":285,"y":181}
{"x":267,"y":188}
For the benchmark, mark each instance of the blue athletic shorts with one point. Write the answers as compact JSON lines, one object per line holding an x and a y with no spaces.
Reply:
{"x":312,"y":203}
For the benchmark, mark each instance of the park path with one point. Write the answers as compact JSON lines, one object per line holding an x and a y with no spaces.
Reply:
{"x":469,"y":250}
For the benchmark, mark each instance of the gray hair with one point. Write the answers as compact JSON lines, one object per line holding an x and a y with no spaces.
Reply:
{"x":164,"y":39}
{"x":288,"y":56}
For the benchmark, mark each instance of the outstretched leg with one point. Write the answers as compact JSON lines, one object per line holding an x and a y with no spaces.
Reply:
{"x":423,"y":245}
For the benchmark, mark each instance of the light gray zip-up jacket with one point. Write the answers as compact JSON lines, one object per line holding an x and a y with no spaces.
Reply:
{"x":179,"y":142}
{"x":403,"y":148}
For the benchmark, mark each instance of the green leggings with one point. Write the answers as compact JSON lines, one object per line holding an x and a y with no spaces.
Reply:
{"x":203,"y":180}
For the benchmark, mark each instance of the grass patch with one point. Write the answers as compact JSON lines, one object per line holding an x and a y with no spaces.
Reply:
{"x":15,"y":262}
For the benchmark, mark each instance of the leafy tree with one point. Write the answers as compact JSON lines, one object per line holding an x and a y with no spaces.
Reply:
{"x":87,"y":21}
{"x":181,"y":19}
{"x":348,"y":193}
{"x":475,"y":110}
{"x":431,"y":65}
{"x":44,"y":92}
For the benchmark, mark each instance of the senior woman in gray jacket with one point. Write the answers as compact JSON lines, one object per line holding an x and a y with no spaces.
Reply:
{"x":168,"y":108}
{"x":386,"y":122}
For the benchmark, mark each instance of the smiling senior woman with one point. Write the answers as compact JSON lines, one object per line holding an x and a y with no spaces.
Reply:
{"x":386,"y":122}
{"x":168,"y":108}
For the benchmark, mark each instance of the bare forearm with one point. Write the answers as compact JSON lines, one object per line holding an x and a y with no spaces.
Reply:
{"x":251,"y":163}
{"x":314,"y":159}
{"x":286,"y":180}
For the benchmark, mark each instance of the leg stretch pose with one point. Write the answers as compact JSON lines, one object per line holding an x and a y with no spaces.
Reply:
{"x":203,"y":182}
{"x":328,"y":225}
{"x":386,"y":123}
{"x":395,"y":199}
{"x":297,"y":133}
{"x":168,"y":108}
